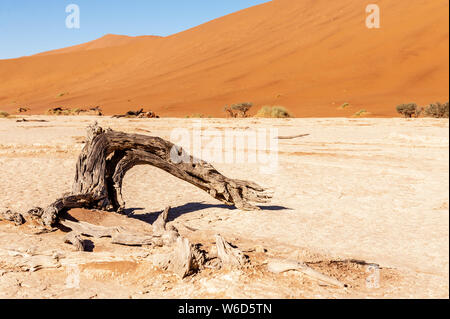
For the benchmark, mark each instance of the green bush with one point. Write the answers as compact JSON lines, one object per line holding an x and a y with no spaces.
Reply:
{"x":409,"y":110}
{"x":273,"y":112}
{"x":437,"y":110}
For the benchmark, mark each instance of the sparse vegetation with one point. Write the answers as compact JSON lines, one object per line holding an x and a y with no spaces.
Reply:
{"x":195,"y":116}
{"x":242,"y":108}
{"x":437,"y":110}
{"x":23,"y":109}
{"x":239,"y":109}
{"x":137,"y":114}
{"x":361,"y":113}
{"x":62,"y":94}
{"x":61,"y":111}
{"x":4,"y":114}
{"x":75,"y":111}
{"x":409,"y":110}
{"x":344,"y":106}
{"x":273,"y":112}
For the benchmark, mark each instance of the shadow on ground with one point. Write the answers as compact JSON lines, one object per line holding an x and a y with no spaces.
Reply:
{"x":178,"y":211}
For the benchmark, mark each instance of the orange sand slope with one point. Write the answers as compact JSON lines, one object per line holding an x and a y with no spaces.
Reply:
{"x":310,"y":56}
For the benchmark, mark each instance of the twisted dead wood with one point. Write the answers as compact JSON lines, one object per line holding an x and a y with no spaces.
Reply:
{"x":108,"y":155}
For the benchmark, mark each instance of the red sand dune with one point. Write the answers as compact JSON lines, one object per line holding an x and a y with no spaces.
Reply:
{"x":109,"y":40}
{"x":310,"y":56}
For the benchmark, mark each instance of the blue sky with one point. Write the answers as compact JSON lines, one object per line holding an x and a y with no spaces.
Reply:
{"x":32,"y":26}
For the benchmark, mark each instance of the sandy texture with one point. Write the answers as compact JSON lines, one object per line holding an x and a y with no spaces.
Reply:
{"x":311,"y":56}
{"x":373,"y":190}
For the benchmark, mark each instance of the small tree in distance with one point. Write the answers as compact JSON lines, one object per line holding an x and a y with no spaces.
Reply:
{"x":409,"y":110}
{"x":437,"y":110}
{"x":229,"y":111}
{"x":239,"y":109}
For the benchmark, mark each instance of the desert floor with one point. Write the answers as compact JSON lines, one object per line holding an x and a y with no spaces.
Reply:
{"x":352,"y":193}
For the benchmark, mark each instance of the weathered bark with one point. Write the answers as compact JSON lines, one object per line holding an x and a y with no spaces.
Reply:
{"x":185,"y":260}
{"x":109,"y":155}
{"x":11,"y":216}
{"x":228,"y":255}
{"x":74,"y":239}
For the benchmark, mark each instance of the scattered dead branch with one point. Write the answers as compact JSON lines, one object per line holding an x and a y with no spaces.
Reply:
{"x":90,"y":230}
{"x":279,"y":266}
{"x":292,"y":137}
{"x":30,"y":120}
{"x":27,"y":260}
{"x":137,"y":114}
{"x":184,"y":260}
{"x":11,"y":216}
{"x":96,"y":111}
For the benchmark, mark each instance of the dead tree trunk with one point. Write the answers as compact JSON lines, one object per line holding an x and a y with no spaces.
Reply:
{"x":108,"y":155}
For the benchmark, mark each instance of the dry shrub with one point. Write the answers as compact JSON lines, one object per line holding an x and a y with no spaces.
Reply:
{"x":75,"y":111}
{"x":238,"y":109}
{"x":361,"y":113}
{"x":23,"y":109}
{"x":437,"y":110}
{"x":196,"y":116}
{"x":273,"y":112}
{"x":409,"y":110}
{"x":4,"y":114}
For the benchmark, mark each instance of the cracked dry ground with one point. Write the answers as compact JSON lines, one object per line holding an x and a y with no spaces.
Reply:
{"x":352,"y":193}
